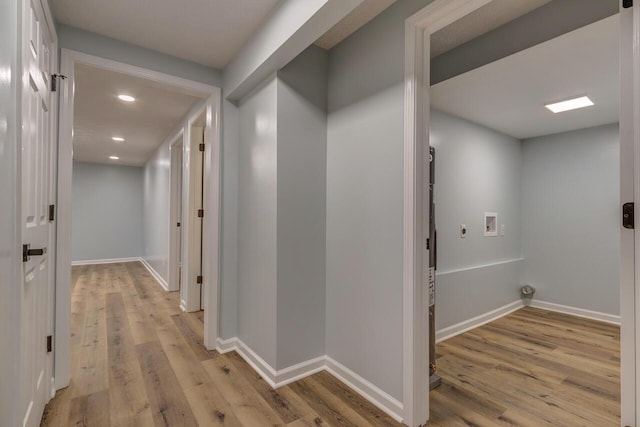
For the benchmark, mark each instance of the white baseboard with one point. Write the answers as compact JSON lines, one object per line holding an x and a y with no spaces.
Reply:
{"x":364,"y":388}
{"x":282,"y":377}
{"x":105,"y":261}
{"x":574,"y":311}
{"x":467,"y":325}
{"x":155,"y":274}
{"x":183,"y":305}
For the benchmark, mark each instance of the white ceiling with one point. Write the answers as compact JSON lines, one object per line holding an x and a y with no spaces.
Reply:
{"x":509,"y":95}
{"x":489,"y":17}
{"x":208,"y":32}
{"x":100,"y":115}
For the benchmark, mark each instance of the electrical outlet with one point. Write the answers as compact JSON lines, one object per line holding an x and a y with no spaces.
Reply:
{"x":463,"y":231}
{"x":502,"y":229}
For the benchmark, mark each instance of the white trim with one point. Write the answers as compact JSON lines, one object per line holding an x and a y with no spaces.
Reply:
{"x":175,"y":208}
{"x":575,"y":311}
{"x":105,"y":261}
{"x":364,"y":388}
{"x":478,"y":267}
{"x":155,"y":274}
{"x":212,"y":94}
{"x":483,"y":319}
{"x":418,"y":29}
{"x":279,"y":378}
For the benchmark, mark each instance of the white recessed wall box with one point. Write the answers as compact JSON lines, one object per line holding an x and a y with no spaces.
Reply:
{"x":490,"y":224}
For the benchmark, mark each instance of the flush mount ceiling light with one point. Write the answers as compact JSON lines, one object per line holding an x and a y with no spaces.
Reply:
{"x":114,"y":157}
{"x":126,"y":98}
{"x":570,"y":104}
{"x":117,"y":138}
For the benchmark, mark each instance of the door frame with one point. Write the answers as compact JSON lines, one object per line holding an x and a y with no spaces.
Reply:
{"x":175,"y":211}
{"x":212,"y":94}
{"x":418,"y":30}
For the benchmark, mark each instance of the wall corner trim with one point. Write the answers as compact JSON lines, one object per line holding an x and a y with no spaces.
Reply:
{"x":155,"y":274}
{"x":290,"y":374}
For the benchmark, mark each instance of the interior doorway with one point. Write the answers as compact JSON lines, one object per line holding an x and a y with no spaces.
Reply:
{"x":420,"y":29}
{"x":176,"y":209}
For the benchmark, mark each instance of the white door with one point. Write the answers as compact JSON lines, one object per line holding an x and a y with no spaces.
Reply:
{"x":35,"y":371}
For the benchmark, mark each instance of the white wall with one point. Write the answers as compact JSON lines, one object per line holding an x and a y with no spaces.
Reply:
{"x":155,"y":210}
{"x":9,"y":183}
{"x":477,"y":170}
{"x":364,"y":199}
{"x":302,"y":154}
{"x":571,"y":218}
{"x":257,"y":221}
{"x":107,"y":211}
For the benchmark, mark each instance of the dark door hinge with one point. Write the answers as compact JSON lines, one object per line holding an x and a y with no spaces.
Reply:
{"x":200,"y":213}
{"x":49,"y":343}
{"x":54,"y":81}
{"x":178,"y":224}
{"x":627,"y":3}
{"x":52,"y":213}
{"x":628,"y":213}
{"x":199,"y":280}
{"x":201,"y":147}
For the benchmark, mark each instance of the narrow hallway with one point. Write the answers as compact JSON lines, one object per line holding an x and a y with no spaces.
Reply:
{"x":138,"y":360}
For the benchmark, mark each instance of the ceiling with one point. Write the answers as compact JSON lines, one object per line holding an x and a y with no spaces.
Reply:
{"x":489,"y":17}
{"x":509,"y":95}
{"x":144,"y":124}
{"x":208,"y":32}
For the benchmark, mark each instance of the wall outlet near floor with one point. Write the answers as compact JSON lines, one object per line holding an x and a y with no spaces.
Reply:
{"x":502,"y":229}
{"x":463,"y":231}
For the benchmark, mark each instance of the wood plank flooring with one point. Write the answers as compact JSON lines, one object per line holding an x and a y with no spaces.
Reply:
{"x":138,"y":360}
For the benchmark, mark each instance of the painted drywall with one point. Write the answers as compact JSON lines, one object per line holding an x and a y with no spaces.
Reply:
{"x":302,"y":153}
{"x":107,"y":211}
{"x":116,"y":50}
{"x":477,"y":170}
{"x":571,"y":218}
{"x":551,"y":20}
{"x":257,"y":220}
{"x":9,"y":183}
{"x":229,"y":219}
{"x":364,"y":199}
{"x":156,"y":210}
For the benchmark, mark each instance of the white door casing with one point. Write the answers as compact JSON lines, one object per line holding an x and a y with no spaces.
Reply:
{"x":38,"y":118}
{"x":175,"y":206}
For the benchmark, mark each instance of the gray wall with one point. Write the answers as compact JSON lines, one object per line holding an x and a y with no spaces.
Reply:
{"x":257,"y":221}
{"x":156,"y":201}
{"x":107,"y":211}
{"x":105,"y":47}
{"x":9,"y":183}
{"x":302,"y":154}
{"x":477,"y":170}
{"x":571,"y":217}
{"x":364,"y":199}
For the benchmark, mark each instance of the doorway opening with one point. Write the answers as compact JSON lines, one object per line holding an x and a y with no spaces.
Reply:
{"x":176,"y":204}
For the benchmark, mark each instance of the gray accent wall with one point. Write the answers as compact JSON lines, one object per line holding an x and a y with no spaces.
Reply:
{"x":107,"y":211}
{"x":364,"y":199}
{"x":477,"y":170}
{"x":257,"y":221}
{"x":302,"y":180}
{"x":571,"y":218}
{"x":116,"y":50}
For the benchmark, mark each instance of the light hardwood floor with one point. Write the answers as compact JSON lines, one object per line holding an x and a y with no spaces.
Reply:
{"x":137,"y":360}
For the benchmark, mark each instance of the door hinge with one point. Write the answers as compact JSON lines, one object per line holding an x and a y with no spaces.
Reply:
{"x":427,"y":248}
{"x":628,"y":213}
{"x":178,"y":224}
{"x":201,"y":147}
{"x":52,"y":213}
{"x":200,"y":213}
{"x":199,"y":280}
{"x":54,"y":81}
{"x":49,"y":343}
{"x":627,"y":3}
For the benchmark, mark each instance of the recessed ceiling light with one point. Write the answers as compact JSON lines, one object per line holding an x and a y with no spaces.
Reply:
{"x":117,"y":139}
{"x":114,"y":157}
{"x":570,"y":104}
{"x":126,"y":98}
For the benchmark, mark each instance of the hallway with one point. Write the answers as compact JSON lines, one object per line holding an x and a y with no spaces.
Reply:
{"x":137,"y":360}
